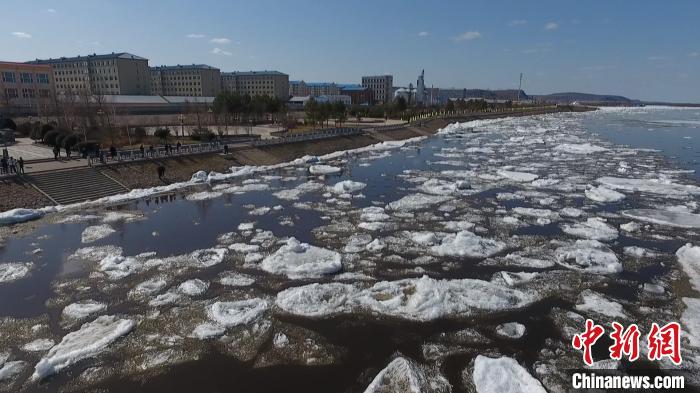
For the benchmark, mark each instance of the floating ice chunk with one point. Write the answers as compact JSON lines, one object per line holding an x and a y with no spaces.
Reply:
{"x":208,"y":330}
{"x":689,"y":259}
{"x":580,"y":148}
{"x":357,"y":243}
{"x":118,"y":266}
{"x":405,"y":376}
{"x":571,"y":212}
{"x":148,"y":287}
{"x":244,"y":248}
{"x":38,"y":345}
{"x":537,"y":213}
{"x":208,"y":257}
{"x":280,"y":340}
{"x":323,"y":169}
{"x":347,"y":187}
{"x":590,"y":301}
{"x":13,"y":271}
{"x":467,"y":244}
{"x":95,"y":254}
{"x":300,"y":260}
{"x":241,"y":312}
{"x":83,"y":309}
{"x":194,"y":287}
{"x":374,"y":213}
{"x":417,"y":202}
{"x":423,"y":238}
{"x":512,"y":330}
{"x":165,"y":299}
{"x":503,"y":375}
{"x":96,"y":232}
{"x":73,"y":218}
{"x":11,"y":369}
{"x":521,"y":177}
{"x":604,"y":195}
{"x":594,"y":229}
{"x":590,"y":256}
{"x":233,"y":279}
{"x":199,"y":177}
{"x":438,"y":187}
{"x":261,"y":211}
{"x":638,"y":252}
{"x":376,"y":246}
{"x":665,"y":217}
{"x":298,"y":191}
{"x":630,"y":226}
{"x":91,"y":339}
{"x":422,"y":299}
{"x":456,"y":226}
{"x":654,"y":186}
{"x":246,"y":226}
{"x":15,"y":216}
{"x":532,"y":263}
{"x":203,"y":195}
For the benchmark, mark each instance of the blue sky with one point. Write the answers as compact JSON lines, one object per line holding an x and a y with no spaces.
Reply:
{"x":641,"y":49}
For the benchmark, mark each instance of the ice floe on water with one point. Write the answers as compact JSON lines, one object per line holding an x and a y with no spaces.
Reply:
{"x":421,"y":299}
{"x":603,"y":194}
{"x":415,"y":202}
{"x":96,"y":232}
{"x":83,"y":309}
{"x":593,"y":228}
{"x":467,"y":244}
{"x":518,"y":176}
{"x":242,"y":312}
{"x":402,"y":375}
{"x":321,"y":169}
{"x":90,"y":340}
{"x":503,"y":375}
{"x":13,"y":271}
{"x":299,"y":260}
{"x":665,"y":217}
{"x":513,"y":330}
{"x":590,"y":256}
{"x":654,"y":186}
{"x":579,"y":148}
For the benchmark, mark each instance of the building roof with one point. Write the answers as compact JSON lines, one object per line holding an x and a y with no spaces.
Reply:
{"x":184,"y":100}
{"x":321,"y":84}
{"x":352,"y":87}
{"x":120,"y":55}
{"x":251,"y":73}
{"x":184,"y":67}
{"x":15,"y":64}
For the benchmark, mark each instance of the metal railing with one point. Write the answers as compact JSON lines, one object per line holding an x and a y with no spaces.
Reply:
{"x":309,"y":136}
{"x":161,"y":151}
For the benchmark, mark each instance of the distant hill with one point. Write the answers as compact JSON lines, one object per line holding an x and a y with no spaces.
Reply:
{"x":586,"y":98}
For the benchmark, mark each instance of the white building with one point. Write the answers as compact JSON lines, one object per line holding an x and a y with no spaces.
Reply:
{"x":381,"y":85}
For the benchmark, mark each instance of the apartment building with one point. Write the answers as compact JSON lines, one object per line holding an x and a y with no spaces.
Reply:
{"x":269,"y":83}
{"x":196,"y":80}
{"x":317,"y":89}
{"x":381,"y":85}
{"x":358,"y":94}
{"x":26,"y":85}
{"x":110,"y":74}
{"x":298,"y":89}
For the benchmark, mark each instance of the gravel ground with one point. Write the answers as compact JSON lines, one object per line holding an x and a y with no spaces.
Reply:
{"x":14,"y":193}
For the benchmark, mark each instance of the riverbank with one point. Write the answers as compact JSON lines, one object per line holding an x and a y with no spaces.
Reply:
{"x":19,"y":194}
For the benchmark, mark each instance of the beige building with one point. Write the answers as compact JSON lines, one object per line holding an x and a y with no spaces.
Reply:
{"x":26,"y":86}
{"x":381,"y":85}
{"x":111,"y":74}
{"x":298,"y":89}
{"x":196,"y":80}
{"x":256,"y":83}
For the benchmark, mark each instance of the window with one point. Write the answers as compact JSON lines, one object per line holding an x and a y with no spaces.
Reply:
{"x":44,"y":93}
{"x":25,"y":77}
{"x":8,"y":77}
{"x":27,"y":93}
{"x":42,"y":79}
{"x":11,"y":93}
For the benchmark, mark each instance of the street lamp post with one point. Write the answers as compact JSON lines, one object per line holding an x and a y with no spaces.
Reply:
{"x":182,"y":124}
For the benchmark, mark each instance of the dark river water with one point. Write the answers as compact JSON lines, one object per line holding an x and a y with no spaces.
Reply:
{"x":358,"y":346}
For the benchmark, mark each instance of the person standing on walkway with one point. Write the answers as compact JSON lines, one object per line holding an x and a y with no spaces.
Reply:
{"x":178,"y":146}
{"x":142,"y":151}
{"x":225,"y":149}
{"x":68,"y":151}
{"x":21,"y":165}
{"x":3,"y":162}
{"x":13,"y":165}
{"x":161,"y":172}
{"x":56,"y":152}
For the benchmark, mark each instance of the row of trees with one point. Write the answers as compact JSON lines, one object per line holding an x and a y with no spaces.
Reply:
{"x":234,"y":108}
{"x":320,"y":113}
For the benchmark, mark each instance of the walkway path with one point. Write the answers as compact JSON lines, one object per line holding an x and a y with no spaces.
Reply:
{"x":28,"y":150}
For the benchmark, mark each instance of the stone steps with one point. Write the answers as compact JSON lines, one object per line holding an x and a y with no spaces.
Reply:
{"x":75,"y":185}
